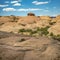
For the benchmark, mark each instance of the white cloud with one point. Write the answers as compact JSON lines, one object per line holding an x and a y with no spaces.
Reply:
{"x":9,"y":9}
{"x":39,"y":3}
{"x":29,"y":9}
{"x":17,"y":4}
{"x":14,"y":2}
{"x":21,"y":9}
{"x":3,"y":5}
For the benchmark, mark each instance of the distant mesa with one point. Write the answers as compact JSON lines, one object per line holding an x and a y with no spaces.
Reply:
{"x":30,"y":14}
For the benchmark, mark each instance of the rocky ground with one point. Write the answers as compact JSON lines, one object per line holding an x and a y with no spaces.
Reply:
{"x":30,"y":37}
{"x":22,"y":47}
{"x":14,"y":23}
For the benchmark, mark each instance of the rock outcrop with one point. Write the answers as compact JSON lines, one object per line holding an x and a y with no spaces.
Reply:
{"x":45,"y":18}
{"x":28,"y":20}
{"x":31,"y":48}
{"x":30,"y":14}
{"x":55,"y":29}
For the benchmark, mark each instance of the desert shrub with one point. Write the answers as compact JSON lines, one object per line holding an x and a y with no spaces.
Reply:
{"x":1,"y":24}
{"x":22,"y":24}
{"x":51,"y":34}
{"x":28,"y":30}
{"x":55,"y":37}
{"x":21,"y":40}
{"x":14,"y":18}
{"x":21,"y":31}
{"x":44,"y":31}
{"x":52,"y":23}
{"x":33,"y":32}
{"x":40,"y":31}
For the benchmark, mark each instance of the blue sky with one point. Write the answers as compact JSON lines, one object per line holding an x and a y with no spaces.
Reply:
{"x":22,"y":7}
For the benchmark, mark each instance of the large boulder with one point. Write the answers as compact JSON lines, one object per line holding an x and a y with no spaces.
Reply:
{"x":30,"y":14}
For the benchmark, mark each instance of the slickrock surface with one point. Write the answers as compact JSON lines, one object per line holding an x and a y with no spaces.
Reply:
{"x":20,"y":47}
{"x":55,"y":29}
{"x":45,"y":18}
{"x":28,"y":20}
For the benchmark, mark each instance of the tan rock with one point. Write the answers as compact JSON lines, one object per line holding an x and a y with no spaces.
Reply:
{"x":28,"y":20}
{"x":55,"y":29}
{"x":45,"y":18}
{"x":30,"y":14}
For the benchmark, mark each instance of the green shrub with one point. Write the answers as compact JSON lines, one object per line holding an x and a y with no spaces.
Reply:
{"x":21,"y":31}
{"x":29,"y":30}
{"x":51,"y":34}
{"x":52,"y":23}
{"x":55,"y":37}
{"x":40,"y":31}
{"x":33,"y":32}
{"x":44,"y":31}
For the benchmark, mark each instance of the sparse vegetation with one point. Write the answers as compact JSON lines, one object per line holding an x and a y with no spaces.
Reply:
{"x":1,"y":24}
{"x":52,"y":23}
{"x":14,"y":18}
{"x":44,"y":31}
{"x":55,"y":37}
{"x":21,"y":40}
{"x":22,"y":24}
{"x":40,"y":31}
{"x":21,"y":31}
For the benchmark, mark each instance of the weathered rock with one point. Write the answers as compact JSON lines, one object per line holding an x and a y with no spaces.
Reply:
{"x":33,"y":48}
{"x":30,"y":14}
{"x":28,"y":20}
{"x":45,"y":18}
{"x":55,"y":29}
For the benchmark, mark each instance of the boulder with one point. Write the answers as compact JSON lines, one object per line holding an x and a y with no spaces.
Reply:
{"x":30,"y":14}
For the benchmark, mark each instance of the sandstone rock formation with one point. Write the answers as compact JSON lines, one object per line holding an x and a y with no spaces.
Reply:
{"x":28,"y":20}
{"x":31,"y":48}
{"x":30,"y":14}
{"x":55,"y":29}
{"x":4,"y":19}
{"x":45,"y":18}
{"x":57,"y":19}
